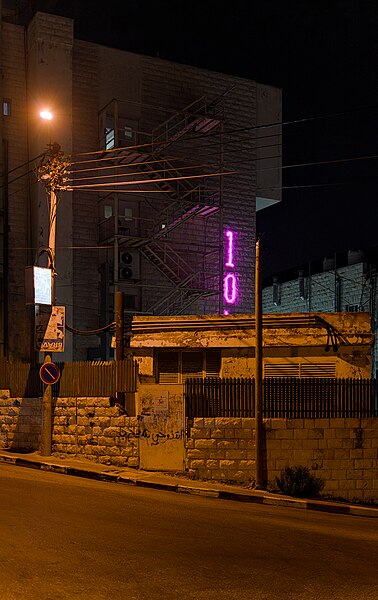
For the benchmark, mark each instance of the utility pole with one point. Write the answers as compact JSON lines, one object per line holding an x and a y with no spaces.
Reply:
{"x":259,"y":430}
{"x":51,"y":173}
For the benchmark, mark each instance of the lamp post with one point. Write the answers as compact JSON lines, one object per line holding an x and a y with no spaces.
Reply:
{"x":51,"y":173}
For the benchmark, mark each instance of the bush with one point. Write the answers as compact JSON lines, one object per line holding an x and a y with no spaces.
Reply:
{"x":298,"y":481}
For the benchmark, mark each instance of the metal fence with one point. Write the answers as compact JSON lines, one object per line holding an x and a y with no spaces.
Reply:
{"x":78,"y":379}
{"x":287,"y":398}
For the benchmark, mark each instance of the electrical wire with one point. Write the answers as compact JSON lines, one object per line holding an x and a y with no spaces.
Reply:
{"x":143,"y":181}
{"x":109,"y":327}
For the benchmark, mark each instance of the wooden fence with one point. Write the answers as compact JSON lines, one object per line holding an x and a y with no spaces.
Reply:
{"x":78,"y":379}
{"x":287,"y":398}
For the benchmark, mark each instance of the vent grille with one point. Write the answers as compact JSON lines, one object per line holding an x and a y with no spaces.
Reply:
{"x":213,"y":363}
{"x":326,"y":369}
{"x":281,"y":370}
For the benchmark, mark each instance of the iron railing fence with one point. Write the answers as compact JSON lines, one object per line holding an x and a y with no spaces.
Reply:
{"x":287,"y":398}
{"x":78,"y":379}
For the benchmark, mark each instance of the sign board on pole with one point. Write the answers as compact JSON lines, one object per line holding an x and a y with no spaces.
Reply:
{"x":38,"y":285}
{"x":49,"y":329}
{"x":49,"y":373}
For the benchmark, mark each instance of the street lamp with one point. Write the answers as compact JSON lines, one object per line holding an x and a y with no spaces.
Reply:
{"x":51,"y":172}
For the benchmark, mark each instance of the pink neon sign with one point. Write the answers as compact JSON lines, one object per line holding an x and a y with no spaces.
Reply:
{"x":230,"y":249}
{"x":230,"y":287}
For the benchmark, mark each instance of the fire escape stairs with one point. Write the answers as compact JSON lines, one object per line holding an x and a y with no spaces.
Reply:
{"x":186,"y":201}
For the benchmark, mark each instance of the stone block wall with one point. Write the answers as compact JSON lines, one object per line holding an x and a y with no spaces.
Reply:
{"x":92,"y":429}
{"x":222,"y":449}
{"x":85,"y":427}
{"x":342,"y":452}
{"x":20,"y":422}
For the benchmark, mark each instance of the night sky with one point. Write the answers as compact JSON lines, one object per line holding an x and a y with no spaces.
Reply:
{"x":323,"y":54}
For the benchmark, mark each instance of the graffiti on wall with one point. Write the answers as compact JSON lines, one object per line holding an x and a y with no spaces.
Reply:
{"x":156,"y":437}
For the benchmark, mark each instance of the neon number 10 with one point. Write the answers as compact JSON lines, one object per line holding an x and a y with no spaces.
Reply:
{"x":230,"y":290}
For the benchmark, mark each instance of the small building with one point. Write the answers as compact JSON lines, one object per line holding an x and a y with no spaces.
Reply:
{"x":172,"y":349}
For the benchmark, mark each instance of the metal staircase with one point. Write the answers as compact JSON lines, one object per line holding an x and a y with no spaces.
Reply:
{"x":181,"y":199}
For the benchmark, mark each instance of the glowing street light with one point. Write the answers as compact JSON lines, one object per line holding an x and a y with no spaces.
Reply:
{"x":46,"y":114}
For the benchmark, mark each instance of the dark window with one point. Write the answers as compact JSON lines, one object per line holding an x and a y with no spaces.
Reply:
{"x":6,"y":108}
{"x":176,"y":366}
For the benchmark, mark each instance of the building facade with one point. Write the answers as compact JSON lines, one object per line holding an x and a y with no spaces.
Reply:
{"x":166,"y":164}
{"x":348,"y":289}
{"x":171,"y":349}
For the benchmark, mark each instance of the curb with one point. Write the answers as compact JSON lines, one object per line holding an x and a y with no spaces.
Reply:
{"x":269,"y":500}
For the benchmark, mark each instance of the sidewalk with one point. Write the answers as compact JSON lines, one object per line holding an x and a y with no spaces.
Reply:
{"x":174,"y":483}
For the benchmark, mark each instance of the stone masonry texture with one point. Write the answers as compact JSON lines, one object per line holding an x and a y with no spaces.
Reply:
{"x":342,"y":452}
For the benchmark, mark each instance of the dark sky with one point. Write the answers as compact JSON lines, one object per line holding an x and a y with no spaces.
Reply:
{"x":323,"y":53}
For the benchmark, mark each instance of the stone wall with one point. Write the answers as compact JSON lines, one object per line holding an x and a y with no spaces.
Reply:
{"x":20,"y":422}
{"x":90,"y":428}
{"x":222,"y":449}
{"x":343,"y":452}
{"x":85,"y":427}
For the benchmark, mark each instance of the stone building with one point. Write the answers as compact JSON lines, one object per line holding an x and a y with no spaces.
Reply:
{"x":322,"y":288}
{"x":162,"y":185}
{"x":171,"y":349}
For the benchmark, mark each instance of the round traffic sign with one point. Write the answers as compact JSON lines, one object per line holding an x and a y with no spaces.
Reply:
{"x":49,"y":373}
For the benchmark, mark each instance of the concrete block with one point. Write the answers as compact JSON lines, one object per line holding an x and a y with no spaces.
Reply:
{"x":216,"y":454}
{"x":199,"y":433}
{"x":197,"y":464}
{"x":315,"y":433}
{"x":212,"y":464}
{"x":223,"y":422}
{"x":243,"y":434}
{"x":201,"y":444}
{"x":284,"y":434}
{"x":364,"y":463}
{"x":217,"y":433}
{"x":196,"y":453}
{"x":227,"y":464}
{"x":235,"y":454}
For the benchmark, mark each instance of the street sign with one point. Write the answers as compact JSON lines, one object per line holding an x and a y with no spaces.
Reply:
{"x":49,"y":329}
{"x":49,"y":373}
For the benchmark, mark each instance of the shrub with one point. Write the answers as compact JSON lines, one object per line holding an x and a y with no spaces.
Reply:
{"x":298,"y":481}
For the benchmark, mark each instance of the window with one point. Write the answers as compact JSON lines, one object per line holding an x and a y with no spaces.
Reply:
{"x":109,"y":138}
{"x":129,"y":301}
{"x":6,"y":108}
{"x":128,"y":214}
{"x":353,"y":308}
{"x":128,"y":132}
{"x":108,"y":211}
{"x":168,"y":367}
{"x":176,"y":366}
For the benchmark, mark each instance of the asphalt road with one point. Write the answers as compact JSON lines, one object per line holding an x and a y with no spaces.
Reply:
{"x":63,"y":537}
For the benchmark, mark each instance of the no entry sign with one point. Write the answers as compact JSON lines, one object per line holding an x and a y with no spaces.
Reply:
{"x":49,"y":373}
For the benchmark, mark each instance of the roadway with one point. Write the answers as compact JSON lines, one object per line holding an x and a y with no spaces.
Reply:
{"x":64,"y":538}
